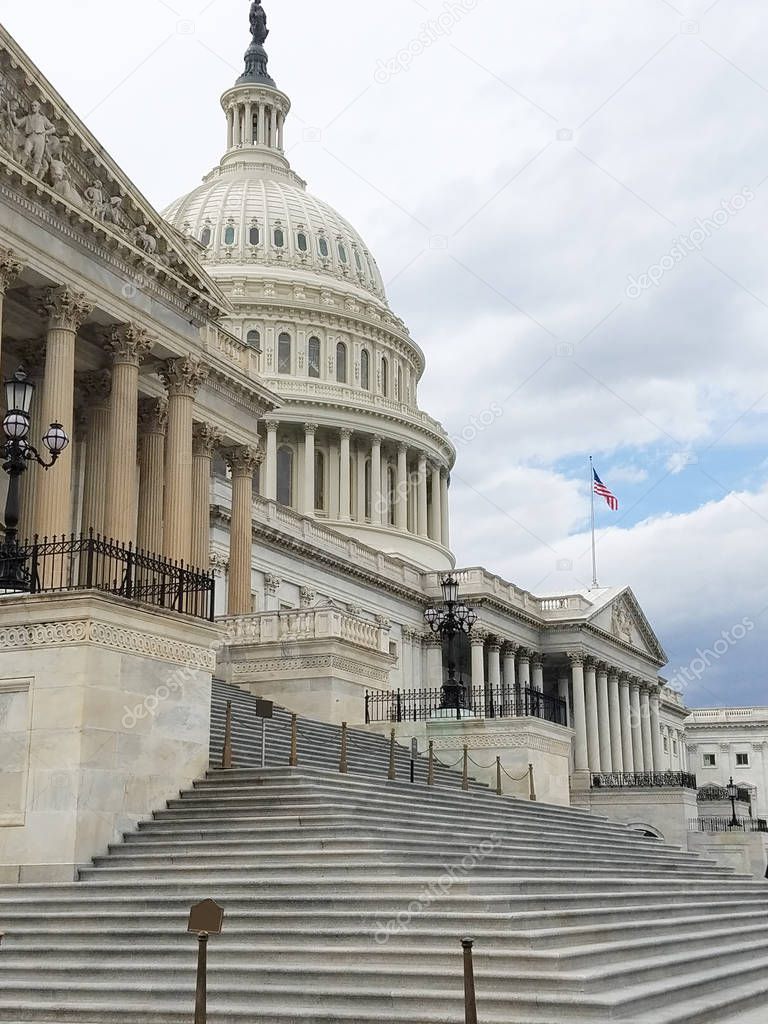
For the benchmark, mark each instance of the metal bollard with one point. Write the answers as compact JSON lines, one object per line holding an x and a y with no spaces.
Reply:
{"x":499,"y":790}
{"x":532,"y":784}
{"x":392,"y":771}
{"x":431,"y":769}
{"x":465,"y":776}
{"x":294,"y":761}
{"x":226,"y":754}
{"x":343,"y":758}
{"x":470,"y":1000}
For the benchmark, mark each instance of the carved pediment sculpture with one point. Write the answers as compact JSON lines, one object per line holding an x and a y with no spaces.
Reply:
{"x":621,"y":622}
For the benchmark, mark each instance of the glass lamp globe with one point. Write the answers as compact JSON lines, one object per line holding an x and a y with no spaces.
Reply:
{"x":55,"y":439}
{"x":16,"y":425}
{"x":18,"y":392}
{"x":450,"y":588}
{"x":431,"y":616}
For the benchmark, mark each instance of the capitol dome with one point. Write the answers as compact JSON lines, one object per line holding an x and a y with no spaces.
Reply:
{"x":348,"y":444}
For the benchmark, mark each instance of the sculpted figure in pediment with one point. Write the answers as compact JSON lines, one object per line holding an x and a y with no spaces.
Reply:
{"x":35,"y":129}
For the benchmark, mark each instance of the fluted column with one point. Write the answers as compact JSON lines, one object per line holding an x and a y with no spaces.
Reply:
{"x":153,"y":419}
{"x":436,"y":515}
{"x":524,"y":670}
{"x":401,"y":499}
{"x":416,"y":656}
{"x":537,"y":672}
{"x":614,"y":714}
{"x":604,"y":719}
{"x":308,"y":495}
{"x":645,"y":728}
{"x":66,"y":311}
{"x":230,"y":128}
{"x":478,"y":661}
{"x":205,"y":440}
{"x":509,"y":669}
{"x":422,"y":525}
{"x":10,"y":268}
{"x":445,"y":529}
{"x":270,"y":479}
{"x":273,"y":128}
{"x":95,"y":389}
{"x":593,"y":727}
{"x":345,"y":482}
{"x":637,"y":732}
{"x":656,"y":748}
{"x":434,"y":662}
{"x":249,"y":123}
{"x":243,"y":463}
{"x":564,"y":694}
{"x":129,"y":345}
{"x":494,"y":667}
{"x":376,"y":498}
{"x":182,"y":378}
{"x":262,"y":125}
{"x":627,"y":744}
{"x":581,"y":753}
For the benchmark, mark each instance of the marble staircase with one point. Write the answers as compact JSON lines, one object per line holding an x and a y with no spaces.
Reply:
{"x":346,"y":897}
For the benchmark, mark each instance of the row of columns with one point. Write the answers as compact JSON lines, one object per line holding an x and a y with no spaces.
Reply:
{"x":251,"y":123}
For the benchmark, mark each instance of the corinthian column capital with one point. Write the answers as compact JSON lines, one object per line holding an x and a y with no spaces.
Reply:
{"x":153,"y":415}
{"x":183,"y":376}
{"x":10,"y":268}
{"x":94,"y":387}
{"x":66,"y":310}
{"x":243,"y":461}
{"x":129,"y":344}
{"x":205,"y":439}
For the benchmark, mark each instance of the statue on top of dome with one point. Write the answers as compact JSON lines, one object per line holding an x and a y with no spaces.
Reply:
{"x":259,"y":29}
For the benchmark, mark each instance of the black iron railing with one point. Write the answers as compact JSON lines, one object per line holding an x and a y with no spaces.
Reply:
{"x":90,"y":562}
{"x":726,"y":825}
{"x":643,"y":780}
{"x":478,"y":702}
{"x":718,"y":794}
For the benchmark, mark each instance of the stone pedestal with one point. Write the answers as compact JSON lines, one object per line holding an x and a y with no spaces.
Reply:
{"x":744,"y":852}
{"x":104,"y":715}
{"x":660,"y":811}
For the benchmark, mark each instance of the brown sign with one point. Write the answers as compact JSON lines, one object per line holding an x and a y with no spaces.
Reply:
{"x":206,"y":917}
{"x":263,"y":708}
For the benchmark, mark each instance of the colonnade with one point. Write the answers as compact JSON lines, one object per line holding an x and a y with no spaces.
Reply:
{"x":254,"y":123}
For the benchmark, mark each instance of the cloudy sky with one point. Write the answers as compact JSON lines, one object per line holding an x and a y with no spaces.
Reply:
{"x":569,"y":205}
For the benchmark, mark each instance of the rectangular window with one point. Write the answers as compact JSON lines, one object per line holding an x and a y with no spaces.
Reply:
{"x":666,"y":745}
{"x":674,"y":747}
{"x":710,"y":761}
{"x":742,"y":760}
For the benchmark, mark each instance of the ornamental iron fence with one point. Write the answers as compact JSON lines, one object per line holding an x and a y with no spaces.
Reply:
{"x":89,"y":562}
{"x":718,"y":794}
{"x":727,"y":825}
{"x":474,"y":702}
{"x":643,"y":780}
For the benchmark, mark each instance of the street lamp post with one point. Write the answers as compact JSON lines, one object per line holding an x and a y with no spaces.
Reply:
{"x":733,"y":792}
{"x":449,"y":621}
{"x":17,"y":452}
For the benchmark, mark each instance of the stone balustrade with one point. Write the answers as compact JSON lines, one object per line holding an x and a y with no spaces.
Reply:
{"x":296,"y":626}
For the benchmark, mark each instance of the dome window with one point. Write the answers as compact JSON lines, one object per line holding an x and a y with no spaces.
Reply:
{"x":253,"y":340}
{"x":385,"y":377}
{"x":342,"y":253}
{"x":279,"y":237}
{"x":205,"y":236}
{"x":284,"y":353}
{"x":229,"y":235}
{"x":301,"y":241}
{"x":254,"y":236}
{"x":319,"y":482}
{"x":323,"y":246}
{"x":313,"y":357}
{"x":285,"y":476}
{"x":365,"y":369}
{"x":341,"y":363}
{"x":358,"y":261}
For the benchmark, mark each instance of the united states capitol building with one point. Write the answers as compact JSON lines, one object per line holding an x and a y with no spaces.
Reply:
{"x":254,"y":504}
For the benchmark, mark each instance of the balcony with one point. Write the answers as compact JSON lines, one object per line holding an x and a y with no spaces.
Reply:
{"x":643,"y":780}
{"x":478,"y":703}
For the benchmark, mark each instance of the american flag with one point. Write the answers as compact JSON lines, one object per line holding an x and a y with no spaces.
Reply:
{"x":603,"y":492}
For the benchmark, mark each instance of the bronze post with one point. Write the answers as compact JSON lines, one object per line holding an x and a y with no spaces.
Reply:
{"x":343,"y":758}
{"x":532,"y":782}
{"x":431,"y":770}
{"x":465,"y":775}
{"x":392,"y":772}
{"x":226,"y":757}
{"x":470,"y":1001}
{"x":201,"y":994}
{"x":294,"y":761}
{"x":499,"y":790}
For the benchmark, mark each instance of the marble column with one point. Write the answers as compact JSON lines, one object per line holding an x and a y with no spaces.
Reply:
{"x":129,"y":346}
{"x":345,"y":481}
{"x":436,"y":515}
{"x":509,"y":670}
{"x":614,"y":714}
{"x":604,"y":719}
{"x":581,"y":750}
{"x":422,"y":525}
{"x":434,"y":662}
{"x":477,"y":642}
{"x":270,"y":481}
{"x":494,"y":667}
{"x":360,"y":457}
{"x":401,"y":503}
{"x":636,"y":719}
{"x":262,"y":125}
{"x":248,"y":123}
{"x":66,"y":311}
{"x":625,"y":708}
{"x":273,"y":128}
{"x":308,"y":492}
{"x":153,"y":419}
{"x":656,"y":748}
{"x":417,"y":681}
{"x":593,"y":726}
{"x":645,"y":728}
{"x":377,"y":503}
{"x":10,"y":268}
{"x":524,"y":670}
{"x":444,"y":498}
{"x":564,"y":694}
{"x":230,"y":128}
{"x":242,"y":462}
{"x":537,"y":673}
{"x":205,"y":440}
{"x":182,"y":377}
{"x":95,"y":389}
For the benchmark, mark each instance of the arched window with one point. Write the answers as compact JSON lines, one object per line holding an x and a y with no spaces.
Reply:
{"x":365,"y":369}
{"x":385,"y":377}
{"x":391,"y":494}
{"x":342,"y":253}
{"x":368,"y":495}
{"x":229,"y":235}
{"x":319,"y":482}
{"x":313,"y":357}
{"x":284,"y":353}
{"x":279,"y":237}
{"x":323,"y":246}
{"x":205,"y":236}
{"x":301,"y":241}
{"x":341,"y":363}
{"x":399,"y":395}
{"x":253,"y":340}
{"x":254,"y":236}
{"x":285,"y":476}
{"x":358,"y":261}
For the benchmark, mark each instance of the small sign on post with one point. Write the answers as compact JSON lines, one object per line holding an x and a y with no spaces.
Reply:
{"x":205,"y":919}
{"x":263,"y":709}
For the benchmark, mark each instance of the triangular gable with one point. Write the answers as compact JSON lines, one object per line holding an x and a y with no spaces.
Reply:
{"x":621,"y":616}
{"x":51,"y":151}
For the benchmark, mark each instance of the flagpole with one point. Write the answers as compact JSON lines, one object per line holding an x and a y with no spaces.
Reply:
{"x":595,"y":583}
